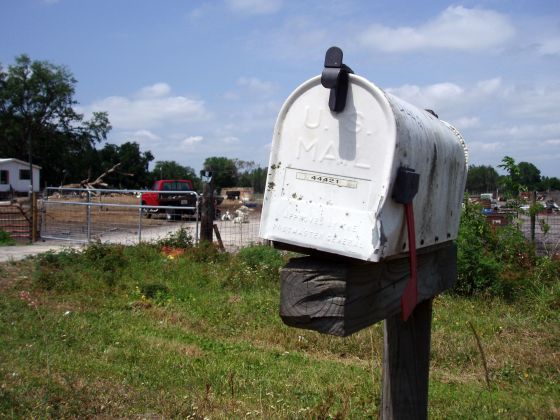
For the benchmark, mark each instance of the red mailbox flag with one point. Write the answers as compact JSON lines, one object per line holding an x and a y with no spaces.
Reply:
{"x":409,"y":298}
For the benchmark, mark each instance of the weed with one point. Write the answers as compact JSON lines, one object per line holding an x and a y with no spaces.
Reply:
{"x":157,"y":292}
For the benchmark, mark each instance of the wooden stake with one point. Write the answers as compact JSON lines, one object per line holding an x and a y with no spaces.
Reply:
{"x":219,"y":238}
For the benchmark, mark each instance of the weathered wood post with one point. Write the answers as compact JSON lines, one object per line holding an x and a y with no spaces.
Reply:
{"x":34,"y":217}
{"x":207,"y":210}
{"x":370,"y":188}
{"x":406,"y":364}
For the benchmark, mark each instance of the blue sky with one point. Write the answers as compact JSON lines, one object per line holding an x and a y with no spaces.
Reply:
{"x":189,"y":79}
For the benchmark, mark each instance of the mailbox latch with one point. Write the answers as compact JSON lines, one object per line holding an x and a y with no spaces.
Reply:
{"x":335,"y":78}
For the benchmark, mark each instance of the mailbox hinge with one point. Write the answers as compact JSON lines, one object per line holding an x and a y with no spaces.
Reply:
{"x":335,"y":78}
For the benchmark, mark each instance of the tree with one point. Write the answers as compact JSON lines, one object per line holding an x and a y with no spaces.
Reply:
{"x":38,"y":121}
{"x":529,"y":175}
{"x":251,"y":175}
{"x":511,"y":182}
{"x":482,"y":179}
{"x":169,"y":169}
{"x":549,"y":184}
{"x":133,"y":170}
{"x":225,"y":171}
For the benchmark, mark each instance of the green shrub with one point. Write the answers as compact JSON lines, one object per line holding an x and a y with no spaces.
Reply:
{"x":6,"y":239}
{"x":108,"y":260}
{"x":494,"y":262}
{"x":71,"y":269}
{"x":54,"y":270}
{"x":181,"y":238}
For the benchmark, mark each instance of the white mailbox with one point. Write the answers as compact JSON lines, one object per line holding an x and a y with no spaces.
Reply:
{"x":331,"y":174}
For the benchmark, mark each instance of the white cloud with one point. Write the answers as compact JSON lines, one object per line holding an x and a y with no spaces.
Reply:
{"x":145,"y":135}
{"x":525,"y":132}
{"x":448,"y":95}
{"x":456,"y":28}
{"x":466,"y":122}
{"x":496,"y":118}
{"x":254,"y":7}
{"x":154,"y":91}
{"x":150,"y":108}
{"x":432,"y":96}
{"x":190,"y":141}
{"x":486,"y":147}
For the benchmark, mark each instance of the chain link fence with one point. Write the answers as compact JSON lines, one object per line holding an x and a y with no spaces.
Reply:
{"x":121,"y":216}
{"x":545,"y":232}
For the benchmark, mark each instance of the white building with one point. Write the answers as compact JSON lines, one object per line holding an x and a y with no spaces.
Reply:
{"x":14,"y":176}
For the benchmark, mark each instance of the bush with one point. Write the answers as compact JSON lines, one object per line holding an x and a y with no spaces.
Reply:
{"x":6,"y":239}
{"x":178,"y":239}
{"x":494,"y":262}
{"x":55,"y":270}
{"x":72,"y":270}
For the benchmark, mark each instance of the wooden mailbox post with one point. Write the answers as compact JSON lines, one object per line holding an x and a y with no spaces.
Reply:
{"x":370,"y":188}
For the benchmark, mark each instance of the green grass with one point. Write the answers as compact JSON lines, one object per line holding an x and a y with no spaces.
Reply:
{"x":127,"y":331}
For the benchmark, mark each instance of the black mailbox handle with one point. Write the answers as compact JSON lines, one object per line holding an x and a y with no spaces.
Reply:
{"x":335,"y":78}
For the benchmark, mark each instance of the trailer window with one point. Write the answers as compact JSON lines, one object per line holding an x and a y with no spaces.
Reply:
{"x":4,"y":177}
{"x":24,"y":174}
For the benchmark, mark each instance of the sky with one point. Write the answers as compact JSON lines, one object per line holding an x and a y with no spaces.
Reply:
{"x":193,"y":79}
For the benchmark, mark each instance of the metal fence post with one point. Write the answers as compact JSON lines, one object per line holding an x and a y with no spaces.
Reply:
{"x":197,"y":220}
{"x":140,"y":220}
{"x":533,"y":215}
{"x":43,"y":229}
{"x":88,"y":215}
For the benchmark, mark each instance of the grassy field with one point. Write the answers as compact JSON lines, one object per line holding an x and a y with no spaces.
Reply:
{"x":140,"y":332}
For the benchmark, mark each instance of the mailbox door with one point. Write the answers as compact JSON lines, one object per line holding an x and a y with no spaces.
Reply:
{"x":329,"y":173}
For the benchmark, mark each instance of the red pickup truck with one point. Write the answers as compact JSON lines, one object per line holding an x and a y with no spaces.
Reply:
{"x":170,"y":192}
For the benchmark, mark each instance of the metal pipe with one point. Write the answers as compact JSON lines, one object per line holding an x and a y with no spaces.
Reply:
{"x":118,"y":191}
{"x":196,"y":225}
{"x":130,"y":206}
{"x":88,"y":215}
{"x":140,"y":210}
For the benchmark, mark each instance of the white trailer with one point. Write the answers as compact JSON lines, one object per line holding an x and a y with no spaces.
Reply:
{"x":15,"y":176}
